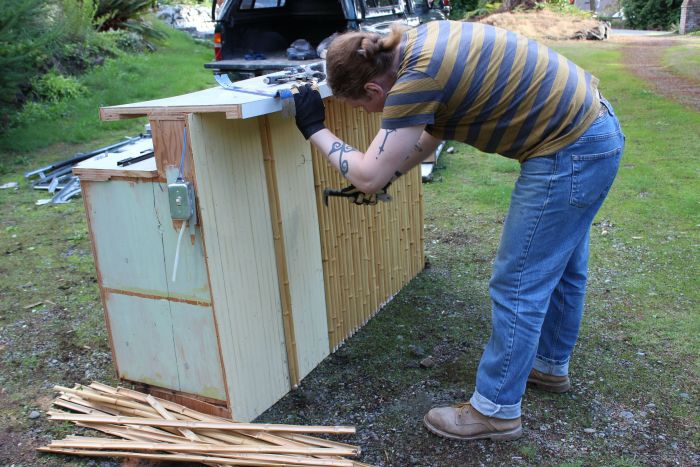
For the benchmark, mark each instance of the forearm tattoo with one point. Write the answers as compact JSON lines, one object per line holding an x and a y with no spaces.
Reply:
{"x":386,"y":136}
{"x":341,"y":148}
{"x":418,"y":148}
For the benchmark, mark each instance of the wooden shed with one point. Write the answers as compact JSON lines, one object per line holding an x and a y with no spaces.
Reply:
{"x":269,"y":280}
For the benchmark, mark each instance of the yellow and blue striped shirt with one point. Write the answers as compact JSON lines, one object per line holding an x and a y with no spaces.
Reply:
{"x":490,"y":88}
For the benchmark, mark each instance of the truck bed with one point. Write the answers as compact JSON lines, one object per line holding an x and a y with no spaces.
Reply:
{"x":273,"y":62}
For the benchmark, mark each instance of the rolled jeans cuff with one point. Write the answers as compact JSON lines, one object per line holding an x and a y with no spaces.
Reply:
{"x":490,"y":409}
{"x":551,"y":367}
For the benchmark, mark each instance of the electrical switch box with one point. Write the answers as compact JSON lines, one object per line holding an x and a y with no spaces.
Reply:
{"x":181,"y":194}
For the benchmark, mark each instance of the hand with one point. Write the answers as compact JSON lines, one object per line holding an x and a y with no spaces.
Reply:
{"x":358,"y":197}
{"x":310,"y":112}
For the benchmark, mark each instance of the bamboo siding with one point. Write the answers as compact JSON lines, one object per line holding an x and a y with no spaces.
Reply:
{"x":368,"y":252}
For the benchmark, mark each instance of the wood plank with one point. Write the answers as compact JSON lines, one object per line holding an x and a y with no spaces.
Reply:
{"x":249,"y":459}
{"x":293,"y":167}
{"x":104,"y":166}
{"x":241,"y":258}
{"x":280,"y":255}
{"x":102,"y":443}
{"x":214,"y":100}
{"x":193,"y":425}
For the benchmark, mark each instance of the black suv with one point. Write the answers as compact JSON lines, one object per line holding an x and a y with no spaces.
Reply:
{"x":252,"y":37}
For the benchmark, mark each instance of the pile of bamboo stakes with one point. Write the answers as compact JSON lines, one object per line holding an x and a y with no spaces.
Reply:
{"x":160,"y":430}
{"x":369,"y":252}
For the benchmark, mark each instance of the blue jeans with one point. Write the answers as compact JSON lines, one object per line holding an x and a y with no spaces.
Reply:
{"x":539,"y":276}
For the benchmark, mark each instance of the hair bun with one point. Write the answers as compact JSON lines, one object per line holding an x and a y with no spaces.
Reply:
{"x":370,"y":46}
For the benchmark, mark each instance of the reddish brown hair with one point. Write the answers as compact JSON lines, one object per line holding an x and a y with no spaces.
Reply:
{"x":356,"y":58}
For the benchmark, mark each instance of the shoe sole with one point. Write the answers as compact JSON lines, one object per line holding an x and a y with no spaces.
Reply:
{"x":550,"y":387}
{"x":513,"y":434}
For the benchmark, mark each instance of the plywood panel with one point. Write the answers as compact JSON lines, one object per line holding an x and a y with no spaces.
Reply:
{"x":142,"y":336}
{"x":237,"y":234}
{"x":302,"y":243}
{"x":128,"y":240}
{"x":135,"y":242}
{"x":165,"y":344}
{"x":196,"y":352}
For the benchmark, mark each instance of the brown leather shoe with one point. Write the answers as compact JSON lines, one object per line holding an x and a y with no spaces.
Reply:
{"x":547,"y":382}
{"x":464,"y":422}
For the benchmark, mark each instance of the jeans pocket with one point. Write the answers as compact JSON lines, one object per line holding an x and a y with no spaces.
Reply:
{"x":592,"y":176}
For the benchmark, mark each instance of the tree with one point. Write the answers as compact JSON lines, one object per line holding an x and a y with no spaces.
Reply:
{"x":652,"y":14}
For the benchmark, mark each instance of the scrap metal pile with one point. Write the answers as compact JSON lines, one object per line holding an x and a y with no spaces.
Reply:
{"x":159,"y":430}
{"x":58,"y":179}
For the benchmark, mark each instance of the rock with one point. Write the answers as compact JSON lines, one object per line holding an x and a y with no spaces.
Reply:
{"x":684,"y":395}
{"x":34,"y":414}
{"x":416,"y":350}
{"x":589,"y":430}
{"x":450,"y":150}
{"x":427,"y":362}
{"x":627,"y":415}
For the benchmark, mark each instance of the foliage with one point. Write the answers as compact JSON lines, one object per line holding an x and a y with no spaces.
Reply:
{"x":483,"y":8}
{"x":25,"y":34}
{"x":128,"y":15}
{"x":461,"y":7}
{"x":652,"y":14}
{"x":562,"y":6}
{"x":121,"y":79}
{"x":62,"y":38}
{"x":53,"y":87}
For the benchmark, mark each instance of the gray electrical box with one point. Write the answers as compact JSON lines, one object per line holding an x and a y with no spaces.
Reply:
{"x":181,"y":194}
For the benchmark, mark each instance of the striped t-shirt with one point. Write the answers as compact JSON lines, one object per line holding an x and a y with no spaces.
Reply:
{"x":490,"y":88}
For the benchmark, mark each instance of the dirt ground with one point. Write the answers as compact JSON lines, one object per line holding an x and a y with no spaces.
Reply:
{"x":376,"y":381}
{"x":542,"y":24}
{"x":644,"y":57}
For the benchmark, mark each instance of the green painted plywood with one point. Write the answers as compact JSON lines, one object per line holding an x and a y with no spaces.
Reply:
{"x":166,"y":344}
{"x":135,"y":242}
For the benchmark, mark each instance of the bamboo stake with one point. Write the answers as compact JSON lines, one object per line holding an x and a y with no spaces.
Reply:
{"x":321,"y":442}
{"x":178,"y":409}
{"x":108,"y":400}
{"x":252,"y":460}
{"x":234,"y":426}
{"x":118,"y":445}
{"x":280,"y":255}
{"x":135,"y":433}
{"x":168,"y":416}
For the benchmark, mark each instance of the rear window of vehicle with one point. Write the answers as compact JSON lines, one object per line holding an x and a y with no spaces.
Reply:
{"x":258,"y":4}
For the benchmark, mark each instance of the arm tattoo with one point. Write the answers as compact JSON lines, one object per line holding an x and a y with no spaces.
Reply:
{"x":341,"y":148}
{"x":386,"y":136}
{"x":418,"y":148}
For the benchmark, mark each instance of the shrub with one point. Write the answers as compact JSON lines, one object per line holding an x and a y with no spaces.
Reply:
{"x":25,"y":35}
{"x":53,"y":87}
{"x":128,"y":15}
{"x":652,"y":14}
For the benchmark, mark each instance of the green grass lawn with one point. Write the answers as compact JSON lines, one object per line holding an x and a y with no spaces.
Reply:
{"x":639,"y":350}
{"x":684,"y":60}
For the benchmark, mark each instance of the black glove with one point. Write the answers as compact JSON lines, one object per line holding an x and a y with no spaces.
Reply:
{"x":310,"y":112}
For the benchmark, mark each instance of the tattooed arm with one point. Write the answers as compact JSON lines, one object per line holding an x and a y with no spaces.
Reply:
{"x":391,"y":151}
